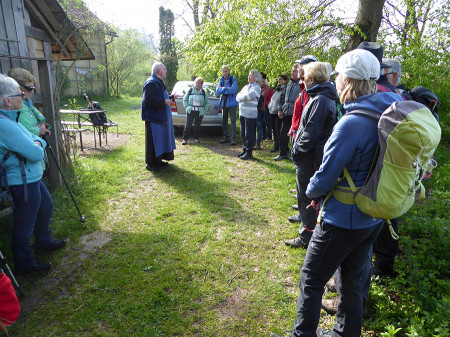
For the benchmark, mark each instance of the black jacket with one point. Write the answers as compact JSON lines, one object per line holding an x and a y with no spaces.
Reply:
{"x":316,"y":125}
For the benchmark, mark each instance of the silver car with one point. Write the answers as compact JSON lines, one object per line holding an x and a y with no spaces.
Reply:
{"x":213,"y":116}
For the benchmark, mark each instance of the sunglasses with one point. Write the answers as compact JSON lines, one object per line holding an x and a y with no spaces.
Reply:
{"x":21,"y":94}
{"x":30,"y":89}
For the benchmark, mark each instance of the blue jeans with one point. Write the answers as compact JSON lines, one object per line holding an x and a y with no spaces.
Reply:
{"x":268,"y":125}
{"x":260,"y":126}
{"x":28,"y":217}
{"x":232,"y":112}
{"x":334,"y":249}
{"x":248,"y":126}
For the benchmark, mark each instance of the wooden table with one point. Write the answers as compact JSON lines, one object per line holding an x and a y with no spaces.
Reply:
{"x":82,"y":120}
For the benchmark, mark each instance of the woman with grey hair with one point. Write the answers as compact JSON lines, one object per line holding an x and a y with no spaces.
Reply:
{"x":21,"y":153}
{"x":248,"y":113}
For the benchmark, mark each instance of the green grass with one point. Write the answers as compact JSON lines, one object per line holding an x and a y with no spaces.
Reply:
{"x":198,"y":250}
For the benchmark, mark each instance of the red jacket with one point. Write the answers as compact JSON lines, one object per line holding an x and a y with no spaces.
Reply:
{"x":300,"y":104}
{"x":9,"y":304}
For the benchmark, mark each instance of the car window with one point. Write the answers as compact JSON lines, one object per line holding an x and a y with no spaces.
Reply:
{"x":180,"y":89}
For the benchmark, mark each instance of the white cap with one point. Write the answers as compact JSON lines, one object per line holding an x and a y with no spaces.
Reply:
{"x":359,"y":64}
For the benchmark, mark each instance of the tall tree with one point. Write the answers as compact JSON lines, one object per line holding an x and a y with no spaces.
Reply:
{"x":367,"y":23}
{"x":167,"y":48}
{"x":127,"y":55}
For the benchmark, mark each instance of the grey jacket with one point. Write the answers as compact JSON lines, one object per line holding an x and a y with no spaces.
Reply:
{"x":291,"y":94}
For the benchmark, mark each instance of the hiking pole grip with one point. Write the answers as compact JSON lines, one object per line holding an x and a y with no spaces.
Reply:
{"x":82,"y":218}
{"x":11,"y":275}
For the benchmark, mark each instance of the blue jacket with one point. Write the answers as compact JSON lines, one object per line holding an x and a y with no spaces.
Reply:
{"x":153,"y":100}
{"x":352,"y":144}
{"x":14,"y":137}
{"x":222,"y":90}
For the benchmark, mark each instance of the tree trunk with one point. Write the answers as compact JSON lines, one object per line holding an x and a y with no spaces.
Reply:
{"x":368,"y":19}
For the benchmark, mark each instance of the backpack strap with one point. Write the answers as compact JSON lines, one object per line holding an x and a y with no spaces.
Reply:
{"x":367,"y":113}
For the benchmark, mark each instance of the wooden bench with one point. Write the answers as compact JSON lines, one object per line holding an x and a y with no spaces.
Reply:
{"x":101,"y":129}
{"x":80,"y":131}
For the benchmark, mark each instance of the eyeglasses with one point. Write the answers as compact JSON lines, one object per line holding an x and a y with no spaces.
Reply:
{"x":21,"y":94}
{"x":30,"y":89}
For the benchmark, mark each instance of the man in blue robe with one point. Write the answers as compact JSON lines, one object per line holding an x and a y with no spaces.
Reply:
{"x":159,"y":134}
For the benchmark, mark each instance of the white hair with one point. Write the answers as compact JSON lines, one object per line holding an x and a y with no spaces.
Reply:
{"x":8,"y":87}
{"x":256,"y":74}
{"x":395,"y":68}
{"x":156,"y":66}
{"x":225,"y":67}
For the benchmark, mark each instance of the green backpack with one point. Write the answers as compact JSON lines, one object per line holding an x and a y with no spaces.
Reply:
{"x":408,"y":136}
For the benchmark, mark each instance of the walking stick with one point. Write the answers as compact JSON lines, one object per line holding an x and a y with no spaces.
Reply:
{"x":11,"y":275}
{"x":82,"y":218}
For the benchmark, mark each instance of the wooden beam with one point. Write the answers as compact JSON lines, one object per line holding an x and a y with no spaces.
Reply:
{"x":56,"y":25}
{"x":37,"y":33}
{"x":18,"y":14}
{"x":47,"y":82}
{"x":50,"y":30}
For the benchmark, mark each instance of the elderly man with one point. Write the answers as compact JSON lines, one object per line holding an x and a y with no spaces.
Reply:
{"x":228,"y":89}
{"x":159,"y":135}
{"x":394,"y":73}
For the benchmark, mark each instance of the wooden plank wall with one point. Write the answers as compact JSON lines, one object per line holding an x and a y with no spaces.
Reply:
{"x":12,"y":35}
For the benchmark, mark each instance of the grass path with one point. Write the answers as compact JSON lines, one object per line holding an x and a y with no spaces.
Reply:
{"x":196,"y":250}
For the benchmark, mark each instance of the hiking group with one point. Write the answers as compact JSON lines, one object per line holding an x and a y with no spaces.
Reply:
{"x":361,"y":146}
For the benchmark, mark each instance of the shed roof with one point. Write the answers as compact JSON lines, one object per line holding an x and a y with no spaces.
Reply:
{"x":66,"y":38}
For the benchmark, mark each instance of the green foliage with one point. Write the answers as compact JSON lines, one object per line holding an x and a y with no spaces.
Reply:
{"x":167,"y":49}
{"x":265,"y":35}
{"x":419,"y":40}
{"x":129,"y":61}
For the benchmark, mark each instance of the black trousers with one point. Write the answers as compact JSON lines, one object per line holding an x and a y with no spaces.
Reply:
{"x":150,"y":156}
{"x":192,"y":117}
{"x":286,"y":123}
{"x":248,"y":128}
{"x":276,"y":125}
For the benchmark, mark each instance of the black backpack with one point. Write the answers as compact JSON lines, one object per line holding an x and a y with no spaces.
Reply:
{"x":261,"y":103}
{"x":425,"y":96}
{"x":203,"y":93}
{"x":98,"y":118}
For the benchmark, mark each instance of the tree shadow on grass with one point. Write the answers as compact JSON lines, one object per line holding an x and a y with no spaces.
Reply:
{"x":210,"y":195}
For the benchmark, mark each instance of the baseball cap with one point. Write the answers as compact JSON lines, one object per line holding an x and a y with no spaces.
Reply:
{"x":307,"y":59}
{"x":359,"y":64}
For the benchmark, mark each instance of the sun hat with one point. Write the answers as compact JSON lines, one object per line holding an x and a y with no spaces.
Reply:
{"x":376,"y":49}
{"x":358,"y":64}
{"x":307,"y":59}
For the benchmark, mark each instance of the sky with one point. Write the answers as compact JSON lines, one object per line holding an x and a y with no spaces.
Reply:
{"x":144,"y":14}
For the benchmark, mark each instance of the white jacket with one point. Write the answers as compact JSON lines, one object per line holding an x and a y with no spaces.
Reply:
{"x":248,"y":100}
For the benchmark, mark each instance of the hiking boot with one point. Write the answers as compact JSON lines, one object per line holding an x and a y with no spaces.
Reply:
{"x":241,"y":154}
{"x":330,"y":305}
{"x":55,"y":245}
{"x":280,"y":157}
{"x":331,"y":286}
{"x":154,"y":168}
{"x":196,"y":140}
{"x":377,"y":271}
{"x":257,"y":146}
{"x":233,"y":142}
{"x":274,"y":150}
{"x":248,"y":155}
{"x":295,"y":218}
{"x":223,"y":141}
{"x":323,"y":332}
{"x":295,"y":207}
{"x":296,"y":243}
{"x":184,"y":142}
{"x":39,"y":267}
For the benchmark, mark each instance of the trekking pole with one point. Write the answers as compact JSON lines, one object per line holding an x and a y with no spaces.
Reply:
{"x":11,"y":275}
{"x":64,"y":179}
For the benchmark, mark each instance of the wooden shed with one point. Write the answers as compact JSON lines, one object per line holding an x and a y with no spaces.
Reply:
{"x":37,"y":35}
